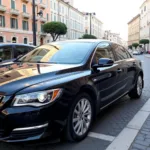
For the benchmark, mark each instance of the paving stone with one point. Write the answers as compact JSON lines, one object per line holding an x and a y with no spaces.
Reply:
{"x":140,"y":147}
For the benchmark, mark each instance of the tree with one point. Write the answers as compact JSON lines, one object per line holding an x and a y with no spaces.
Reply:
{"x":144,"y":42}
{"x":130,"y":46}
{"x":55,"y":29}
{"x":88,"y":36}
{"x":135,"y":45}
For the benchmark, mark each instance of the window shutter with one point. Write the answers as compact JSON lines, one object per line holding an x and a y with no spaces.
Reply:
{"x":3,"y":21}
{"x":22,"y":25}
{"x":16,"y":24}
{"x":27,"y":25}
{"x":11,"y":22}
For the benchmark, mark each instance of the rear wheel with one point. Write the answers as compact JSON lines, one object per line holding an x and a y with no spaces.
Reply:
{"x":137,"y":91}
{"x":80,"y":118}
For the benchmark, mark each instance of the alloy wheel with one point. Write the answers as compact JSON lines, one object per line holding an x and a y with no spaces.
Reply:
{"x":139,"y":85}
{"x":82,"y":117}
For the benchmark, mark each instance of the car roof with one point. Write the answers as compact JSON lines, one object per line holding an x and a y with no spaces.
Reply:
{"x":9,"y":44}
{"x":83,"y":40}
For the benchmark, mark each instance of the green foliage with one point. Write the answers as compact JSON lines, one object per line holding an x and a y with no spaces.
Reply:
{"x":130,"y":46}
{"x":144,"y":41}
{"x":135,"y":45}
{"x":88,"y":36}
{"x":55,"y":29}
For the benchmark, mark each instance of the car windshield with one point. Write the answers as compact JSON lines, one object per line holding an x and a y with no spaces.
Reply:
{"x":59,"y":53}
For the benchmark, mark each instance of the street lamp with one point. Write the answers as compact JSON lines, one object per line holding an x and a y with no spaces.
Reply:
{"x":91,"y":14}
{"x":34,"y":20}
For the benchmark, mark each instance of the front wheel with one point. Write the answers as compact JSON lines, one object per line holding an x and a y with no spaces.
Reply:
{"x":137,"y":91}
{"x":80,"y":118}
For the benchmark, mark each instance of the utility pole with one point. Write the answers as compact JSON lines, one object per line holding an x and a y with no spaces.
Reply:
{"x":34,"y":23}
{"x":90,"y":23}
{"x":91,"y":14}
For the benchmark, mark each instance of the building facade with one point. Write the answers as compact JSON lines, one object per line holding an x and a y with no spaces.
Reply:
{"x":96,"y":26}
{"x":134,"y":30}
{"x":114,"y":37}
{"x":73,"y":18}
{"x":16,"y":21}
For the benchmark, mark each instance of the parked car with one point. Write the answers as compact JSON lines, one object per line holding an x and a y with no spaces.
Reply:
{"x":137,"y":52}
{"x":149,"y":52}
{"x":9,"y":52}
{"x":59,"y":88}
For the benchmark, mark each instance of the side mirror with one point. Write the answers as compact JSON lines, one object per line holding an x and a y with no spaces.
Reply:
{"x":104,"y":62}
{"x":1,"y":60}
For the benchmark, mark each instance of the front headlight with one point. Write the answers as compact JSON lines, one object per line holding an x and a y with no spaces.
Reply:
{"x":37,"y":98}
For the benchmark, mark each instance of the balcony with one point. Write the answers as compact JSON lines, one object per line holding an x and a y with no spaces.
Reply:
{"x":26,"y":1}
{"x":2,"y":8}
{"x":42,"y":5}
{"x":26,"y":15}
{"x":14,"y":12}
{"x":42,"y":19}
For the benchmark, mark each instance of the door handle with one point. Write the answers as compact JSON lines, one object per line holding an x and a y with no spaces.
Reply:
{"x":119,"y":70}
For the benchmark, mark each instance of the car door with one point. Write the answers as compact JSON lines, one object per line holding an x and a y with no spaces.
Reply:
{"x":122,"y":70}
{"x":20,"y":51}
{"x":5,"y":53}
{"x":131,"y":69}
{"x":105,"y":77}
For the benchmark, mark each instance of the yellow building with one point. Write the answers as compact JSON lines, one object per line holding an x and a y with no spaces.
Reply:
{"x":134,"y":30}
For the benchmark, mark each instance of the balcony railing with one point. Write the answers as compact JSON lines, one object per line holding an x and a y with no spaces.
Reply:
{"x":26,"y":15}
{"x":2,"y":8}
{"x":42,"y":5}
{"x":42,"y":19}
{"x":14,"y":12}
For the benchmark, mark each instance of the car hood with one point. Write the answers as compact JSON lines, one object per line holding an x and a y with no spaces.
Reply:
{"x":17,"y":76}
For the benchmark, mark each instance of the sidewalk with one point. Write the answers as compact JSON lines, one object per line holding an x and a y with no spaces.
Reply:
{"x":142,"y":140}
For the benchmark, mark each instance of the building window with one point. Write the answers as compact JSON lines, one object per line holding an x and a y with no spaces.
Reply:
{"x":25,"y":41}
{"x":2,"y":21}
{"x":1,"y":39}
{"x":0,"y":2}
{"x":145,"y":8}
{"x":86,"y":31}
{"x":54,"y":17}
{"x":24,"y":8}
{"x":14,"y":40}
{"x":47,"y":17}
{"x":54,"y":6}
{"x":14,"y":23}
{"x":25,"y":25}
{"x":12,"y":4}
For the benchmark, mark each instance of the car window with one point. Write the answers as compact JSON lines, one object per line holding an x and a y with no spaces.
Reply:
{"x":103,"y":51}
{"x":120,"y":53}
{"x":60,"y":53}
{"x":20,"y":50}
{"x":6,"y":53}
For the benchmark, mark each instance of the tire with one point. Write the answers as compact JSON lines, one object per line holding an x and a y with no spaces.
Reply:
{"x":78,"y":119}
{"x":137,"y":91}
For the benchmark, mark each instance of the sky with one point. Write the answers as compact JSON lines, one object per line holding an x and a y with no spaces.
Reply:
{"x":115,"y":14}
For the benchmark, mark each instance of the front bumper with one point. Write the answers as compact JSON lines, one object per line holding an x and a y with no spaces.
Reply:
{"x":24,"y":134}
{"x":18,"y":124}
